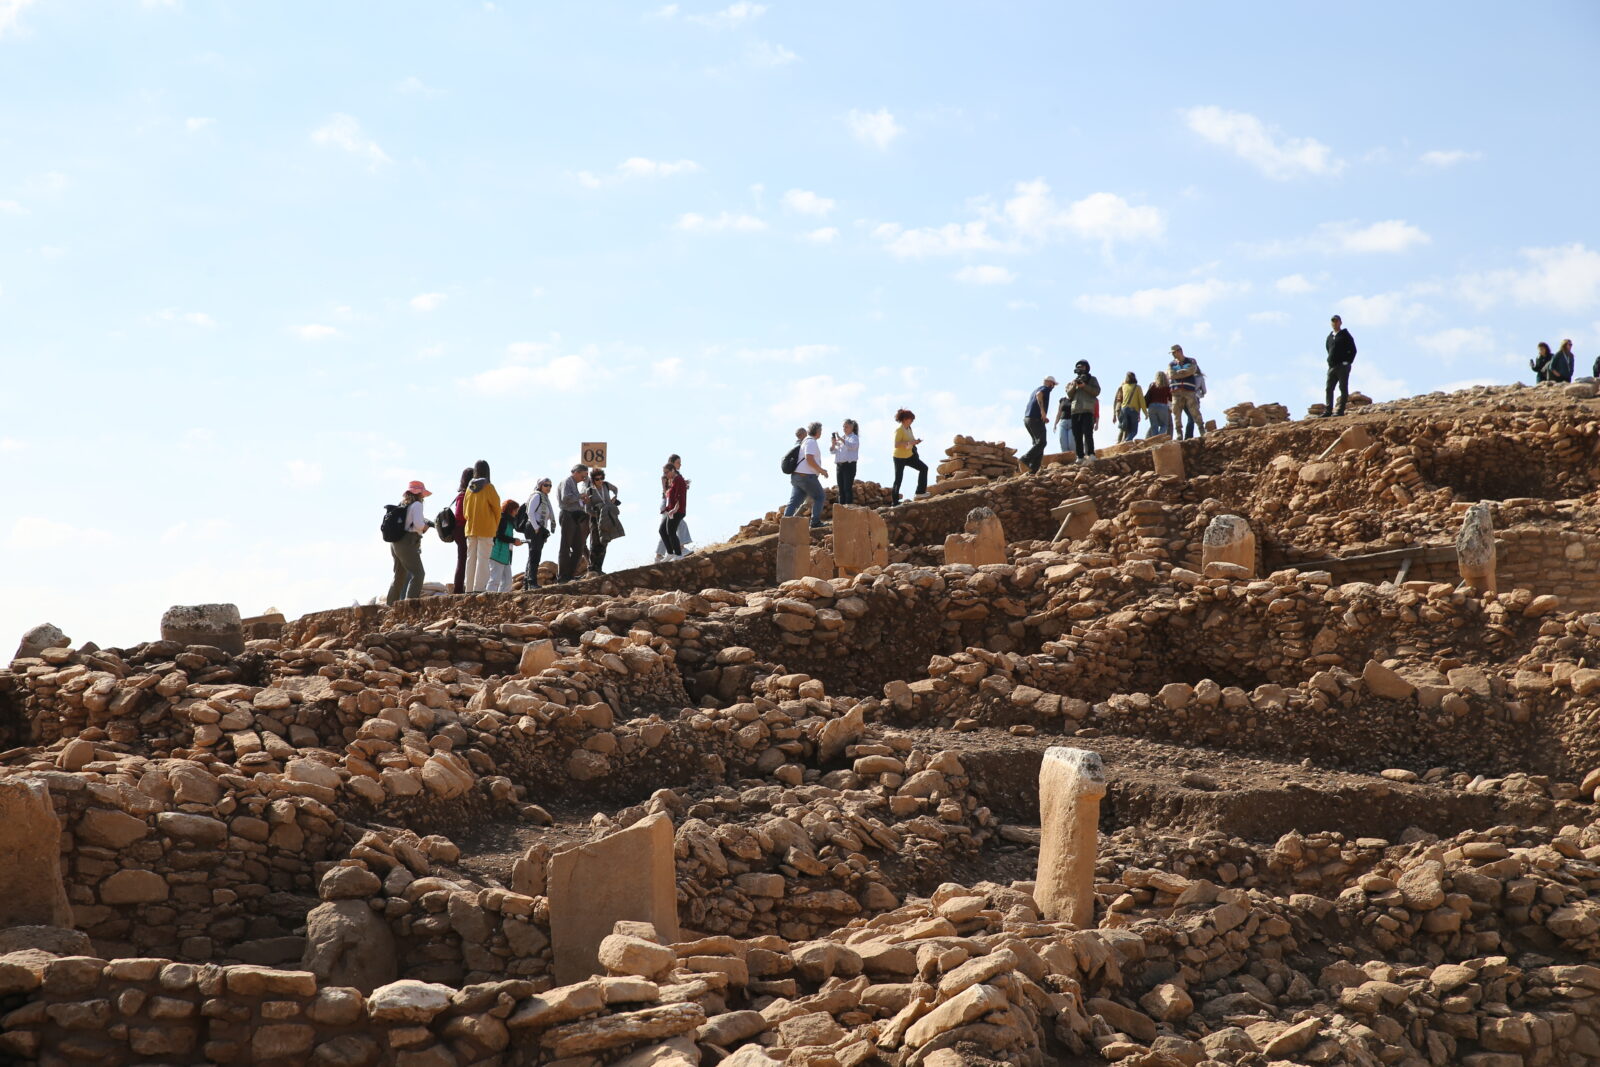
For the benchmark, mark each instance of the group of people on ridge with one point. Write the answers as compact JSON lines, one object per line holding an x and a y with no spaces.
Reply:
{"x":485,"y":529}
{"x":803,"y":463}
{"x":1557,"y":366}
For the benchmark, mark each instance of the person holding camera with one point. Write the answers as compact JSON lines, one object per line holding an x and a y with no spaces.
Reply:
{"x":1084,"y":393}
{"x":846,"y":449}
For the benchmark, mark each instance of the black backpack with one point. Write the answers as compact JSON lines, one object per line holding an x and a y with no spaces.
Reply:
{"x":393,"y":526}
{"x":791,"y":460}
{"x":445,"y":523}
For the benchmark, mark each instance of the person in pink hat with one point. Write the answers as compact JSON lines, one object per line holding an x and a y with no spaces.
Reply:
{"x":408,"y":550}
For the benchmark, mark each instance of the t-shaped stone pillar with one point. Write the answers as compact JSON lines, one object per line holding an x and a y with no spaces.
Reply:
{"x":1071,"y":783}
{"x":1475,"y":549}
{"x":1228,"y":539}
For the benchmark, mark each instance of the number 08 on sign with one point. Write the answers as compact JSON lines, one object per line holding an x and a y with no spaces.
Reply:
{"x":594,"y":453}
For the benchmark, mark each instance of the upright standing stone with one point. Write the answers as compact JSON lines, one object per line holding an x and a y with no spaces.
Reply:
{"x":1228,"y":539}
{"x":629,"y":875}
{"x":794,"y":548}
{"x":1168,"y":458}
{"x":1071,"y":783}
{"x":984,"y":540}
{"x":45,"y":635}
{"x":218,"y":625}
{"x":860,"y":539}
{"x":1076,"y":516}
{"x":31,"y":890}
{"x":1475,"y":549}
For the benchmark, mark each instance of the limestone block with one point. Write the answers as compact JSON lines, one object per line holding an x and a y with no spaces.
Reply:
{"x":1071,"y":783}
{"x":1076,"y":517}
{"x":794,"y":548}
{"x":31,"y":890}
{"x":1229,"y":539}
{"x":988,"y":536}
{"x":630,"y":875}
{"x":860,"y":539}
{"x":218,"y":625}
{"x":960,"y":548}
{"x":1168,"y":457}
{"x":45,"y":635}
{"x":348,"y":944}
{"x":1354,"y":439}
{"x":1475,"y":548}
{"x":536,"y":656}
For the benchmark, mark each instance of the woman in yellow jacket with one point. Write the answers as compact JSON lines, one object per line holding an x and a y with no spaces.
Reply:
{"x":481,"y":506}
{"x":1128,"y":407}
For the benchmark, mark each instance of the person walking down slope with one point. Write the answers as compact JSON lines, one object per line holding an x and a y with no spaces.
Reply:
{"x":505,"y":539}
{"x":1182,"y":377}
{"x":846,"y":449}
{"x":807,"y":477}
{"x":572,"y":504}
{"x":1084,"y":392}
{"x":407,"y":551}
{"x":1341,"y":353}
{"x":1158,"y":405}
{"x":538,"y":522}
{"x":482,"y":507}
{"x":905,"y":454}
{"x":458,"y":508}
{"x":1127,"y":408}
{"x":673,"y":508}
{"x":605,"y":522}
{"x":1033,"y":417}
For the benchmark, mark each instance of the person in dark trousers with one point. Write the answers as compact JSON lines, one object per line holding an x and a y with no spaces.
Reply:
{"x":573,"y":506}
{"x":1084,"y":392}
{"x":461,"y":532}
{"x":1540,"y":363}
{"x":673,"y":509}
{"x":605,"y":525}
{"x":538,"y":522}
{"x":905,"y":454}
{"x":846,"y":449}
{"x":1033,"y":417}
{"x":1341,"y":353}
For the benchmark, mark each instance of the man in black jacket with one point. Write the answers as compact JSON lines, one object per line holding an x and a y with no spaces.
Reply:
{"x":1341,"y":353}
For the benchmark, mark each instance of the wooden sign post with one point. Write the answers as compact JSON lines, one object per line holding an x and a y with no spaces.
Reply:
{"x":594,"y":454}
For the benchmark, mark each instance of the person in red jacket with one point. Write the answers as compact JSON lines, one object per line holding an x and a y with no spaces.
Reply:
{"x":673,"y":509}
{"x":461,"y":532}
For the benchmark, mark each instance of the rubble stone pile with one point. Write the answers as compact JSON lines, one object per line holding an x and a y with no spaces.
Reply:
{"x":1279,"y":747}
{"x":1248,"y":414}
{"x":967,"y":461}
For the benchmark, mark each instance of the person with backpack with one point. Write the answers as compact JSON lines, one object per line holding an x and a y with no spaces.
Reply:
{"x":403,"y":527}
{"x":846,"y":449}
{"x":1127,"y":407}
{"x":538,"y":521}
{"x":481,"y":505}
{"x":673,"y":508}
{"x":1183,"y":377}
{"x":605,"y":522}
{"x":1033,"y":417}
{"x":504,"y":540}
{"x":458,"y":530}
{"x":1341,"y":353}
{"x":1158,"y":406}
{"x":807,"y":477}
{"x":572,"y":506}
{"x":905,"y":454}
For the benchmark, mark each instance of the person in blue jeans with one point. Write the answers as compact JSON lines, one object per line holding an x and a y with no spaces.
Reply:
{"x":807,"y":477}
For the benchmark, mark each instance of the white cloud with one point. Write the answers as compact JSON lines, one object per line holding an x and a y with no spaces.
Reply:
{"x":985,"y":275}
{"x":561,"y":373}
{"x":725,"y":221}
{"x":303,"y":472}
{"x":666,"y":11}
{"x":9,"y":445}
{"x":640,"y":167}
{"x":1457,"y":340}
{"x":185,"y":533}
{"x":38,"y":532}
{"x":198,"y":123}
{"x":10,"y":10}
{"x":807,"y":203}
{"x":11,"y":207}
{"x":1180,"y":301}
{"x":876,"y":128}
{"x":1295,"y":284}
{"x":734,"y":14}
{"x":1021,"y":305}
{"x":667,"y":370}
{"x":814,"y":397}
{"x":426,"y":301}
{"x":415,"y":86}
{"x":344,"y":132}
{"x":822,"y":236}
{"x":1268,"y":318}
{"x":1566,"y":278}
{"x":1391,"y":235}
{"x":1379,"y":310}
{"x":189,"y":318}
{"x":1262,"y":146}
{"x":1033,"y":212}
{"x":951,"y":238}
{"x":767,"y":54}
{"x":1448,"y":157}
{"x":791,"y":354}
{"x":315,"y":332}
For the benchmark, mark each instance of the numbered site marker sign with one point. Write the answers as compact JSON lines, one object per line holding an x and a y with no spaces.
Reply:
{"x":594,"y":453}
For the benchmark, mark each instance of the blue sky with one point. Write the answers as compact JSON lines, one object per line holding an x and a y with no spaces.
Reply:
{"x":262,"y":264}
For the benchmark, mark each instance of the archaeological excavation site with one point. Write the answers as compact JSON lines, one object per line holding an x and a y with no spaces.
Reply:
{"x":1276,"y":746}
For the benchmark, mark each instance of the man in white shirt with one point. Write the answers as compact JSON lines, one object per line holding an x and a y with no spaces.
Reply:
{"x":807,"y":477}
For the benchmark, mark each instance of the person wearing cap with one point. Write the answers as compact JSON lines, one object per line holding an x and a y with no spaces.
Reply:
{"x":1182,"y":377}
{"x":1033,"y":417}
{"x":1084,"y":392}
{"x":407,"y":551}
